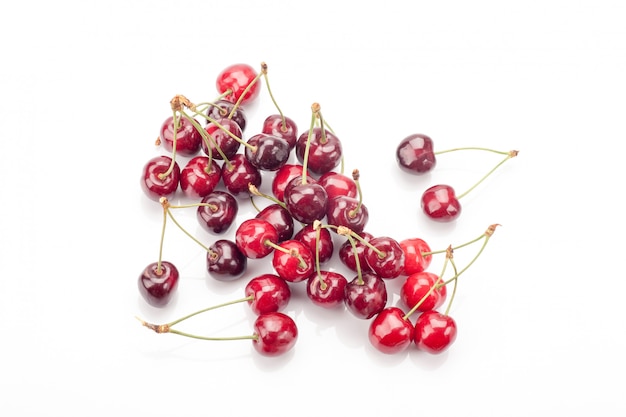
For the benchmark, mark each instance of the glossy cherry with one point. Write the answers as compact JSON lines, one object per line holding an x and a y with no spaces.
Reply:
{"x":306,"y":202}
{"x":222,"y":132}
{"x":294,"y":261}
{"x":283,"y":176}
{"x":416,"y":255}
{"x":367,"y":296}
{"x":326,"y":289}
{"x":439,"y":202}
{"x":434,"y":332}
{"x":224,"y":260}
{"x":282,"y":127}
{"x":270,"y":153}
{"x":390,"y":331}
{"x":239,"y":175}
{"x":234,"y":79}
{"x":199,"y":177}
{"x":324,"y":154}
{"x":308,"y":235}
{"x":387,"y":260}
{"x":337,"y":184}
{"x":415,"y":288}
{"x":280,"y":218}
{"x":348,"y":212}
{"x":347,"y":254}
{"x":188,"y":138}
{"x":223,"y":109}
{"x":154,"y":184}
{"x":415,"y":154}
{"x":252,"y":235}
{"x":275,"y":334}
{"x":158,"y":283}
{"x":218,"y":211}
{"x":269,"y":293}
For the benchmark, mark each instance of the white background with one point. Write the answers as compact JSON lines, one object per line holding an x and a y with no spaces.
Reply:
{"x":84,"y":87}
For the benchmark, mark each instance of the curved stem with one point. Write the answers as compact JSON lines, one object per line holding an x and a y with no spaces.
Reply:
{"x":468,"y":148}
{"x":486,"y":236}
{"x":269,"y":90}
{"x":456,"y":273}
{"x":245,"y":91}
{"x":355,"y":177}
{"x":305,"y":158}
{"x":508,"y":156}
{"x":164,"y":204}
{"x":357,"y":261}
{"x":192,"y":237}
{"x":195,"y":313}
{"x":194,"y":336}
{"x":174,"y":139}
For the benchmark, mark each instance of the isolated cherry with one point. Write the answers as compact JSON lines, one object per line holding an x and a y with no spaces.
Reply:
{"x":326,"y":289}
{"x":234,"y":79}
{"x":439,"y":202}
{"x":218,"y":211}
{"x":223,"y":109}
{"x":199,"y":177}
{"x":306,"y":202}
{"x":270,"y":293}
{"x":282,"y":127}
{"x":188,"y":138}
{"x":252,"y":235}
{"x":324,"y":153}
{"x":434,"y":332}
{"x":415,"y":154}
{"x":153,"y":181}
{"x":367,"y":296}
{"x":390,"y":331}
{"x":414,"y":258}
{"x":415,"y":288}
{"x":276,"y":333}
{"x":224,"y":260}
{"x":158,"y":283}
{"x":295,"y":262}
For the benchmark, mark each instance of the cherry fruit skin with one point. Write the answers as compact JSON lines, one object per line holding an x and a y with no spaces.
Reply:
{"x":367,"y":298}
{"x":270,"y":153}
{"x":414,"y":258}
{"x":199,"y":177}
{"x":348,"y":257}
{"x":251,"y":237}
{"x":158,"y":286}
{"x":222,"y":109}
{"x":326,"y":289}
{"x":434,"y":332}
{"x":308,"y":235}
{"x":439,"y":202}
{"x":415,"y":154}
{"x":323,"y":156}
{"x":288,"y":130}
{"x":237,"y":78}
{"x":295,"y":266}
{"x":390,"y":332}
{"x":276,"y":333}
{"x":153,"y":185}
{"x":280,"y":218}
{"x":346,"y":211}
{"x":219,"y":214}
{"x":283,"y":176}
{"x":306,"y":202}
{"x":337,"y":184}
{"x":188,"y":138}
{"x":219,"y":131}
{"x":391,"y":264}
{"x":271,"y":293}
{"x":224,"y":260}
{"x":415,"y":288}
{"x":239,"y":175}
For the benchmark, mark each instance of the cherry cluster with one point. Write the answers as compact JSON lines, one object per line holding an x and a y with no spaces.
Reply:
{"x":315,"y":212}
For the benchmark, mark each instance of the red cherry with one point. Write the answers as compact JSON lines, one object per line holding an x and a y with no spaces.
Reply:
{"x":239,"y":175}
{"x":388,"y":260}
{"x":271,"y":293}
{"x":157,"y":286}
{"x":251,"y":237}
{"x":434,"y":332}
{"x":390,"y":332}
{"x":367,"y":297}
{"x":348,"y":212}
{"x":270,"y":153}
{"x":305,"y":202}
{"x":326,"y":289}
{"x":152,"y":182}
{"x":283,"y":176}
{"x":198,"y":178}
{"x":294,"y":265}
{"x":188,"y":138}
{"x":414,"y":261}
{"x":323,"y":156}
{"x":222,"y":139}
{"x":417,"y":285}
{"x":285,"y":129}
{"x":439,"y":202}
{"x":308,"y":235}
{"x":347,"y":255}
{"x":337,"y":184}
{"x":280,"y":218}
{"x":223,"y":109}
{"x":219,"y":213}
{"x":224,"y":260}
{"x":276,"y":333}
{"x":415,"y":154}
{"x":236,"y":78}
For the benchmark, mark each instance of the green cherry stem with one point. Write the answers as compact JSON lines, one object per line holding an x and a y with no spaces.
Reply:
{"x":433,"y":287}
{"x":173,"y":162}
{"x":346,"y":231}
{"x":305,"y":158}
{"x":456,"y":274}
{"x":254,"y":191}
{"x":248,"y":87}
{"x":159,"y":263}
{"x":317,"y":225}
{"x":167,"y":208}
{"x":508,"y":156}
{"x":486,"y":236}
{"x":292,"y":252}
{"x":355,"y":176}
{"x":269,"y":90}
{"x":357,"y":261}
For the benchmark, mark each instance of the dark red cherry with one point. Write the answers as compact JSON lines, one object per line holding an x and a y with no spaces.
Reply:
{"x":222,"y":109}
{"x":337,"y":184}
{"x":235,"y":79}
{"x":390,"y":332}
{"x":224,"y":260}
{"x":282,"y":127}
{"x":439,"y":202}
{"x":346,"y":211}
{"x":391,"y":263}
{"x":414,"y":258}
{"x":270,"y":153}
{"x":239,"y":175}
{"x":157,"y":286}
{"x":283,"y":176}
{"x":276,"y":333}
{"x":199,"y":178}
{"x":271,"y":293}
{"x":153,"y":184}
{"x":324,"y":155}
{"x":415,"y":288}
{"x":305,"y":202}
{"x":307,"y":235}
{"x":366,"y":298}
{"x":252,"y":235}
{"x":280,"y":218}
{"x":415,"y":154}
{"x":219,"y":213}
{"x":434,"y":332}
{"x":326,"y":289}
{"x":348,"y":257}
{"x":188,"y":138}
{"x":222,"y":132}
{"x":295,"y":265}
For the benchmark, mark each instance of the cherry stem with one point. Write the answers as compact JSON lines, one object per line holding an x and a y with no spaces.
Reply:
{"x":163,"y":201}
{"x":456,"y":273}
{"x":166,"y":206}
{"x":269,"y":90}
{"x":455,"y":247}
{"x":357,"y":261}
{"x":433,"y":287}
{"x":486,"y":238}
{"x":317,"y":112}
{"x":173,"y":162}
{"x":248,"y":87}
{"x":509,"y":155}
{"x":317,"y":225}
{"x":292,"y":252}
{"x":305,"y":158}
{"x":345,"y":231}
{"x":254,"y":191}
{"x":475,"y":148}
{"x":355,"y":176}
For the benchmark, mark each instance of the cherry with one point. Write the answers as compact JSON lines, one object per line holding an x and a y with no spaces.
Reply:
{"x":324,"y":246}
{"x":217,"y":212}
{"x":224,"y":260}
{"x":348,"y":212}
{"x":237,"y":83}
{"x":326,"y":289}
{"x":226,"y":134}
{"x":161,"y":177}
{"x":391,"y":331}
{"x":417,"y":289}
{"x":415,"y":154}
{"x":188,"y":138}
{"x":366,"y":296}
{"x":268,"y":293}
{"x":224,"y":109}
{"x":283,"y":176}
{"x":417,"y":256}
{"x":293,"y":261}
{"x":199,"y":177}
{"x":306,"y":201}
{"x":282,"y":127}
{"x":440,"y":203}
{"x":385,"y":256}
{"x":347,"y":254}
{"x":252,"y":238}
{"x":434,"y":332}
{"x":158,"y":283}
{"x":267,"y":152}
{"x":337,"y":184}
{"x":275,"y":334}
{"x":325,"y":150}
{"x":280,"y":218}
{"x":238,"y":174}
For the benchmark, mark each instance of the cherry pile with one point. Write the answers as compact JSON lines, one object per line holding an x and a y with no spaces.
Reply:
{"x":314,"y":213}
